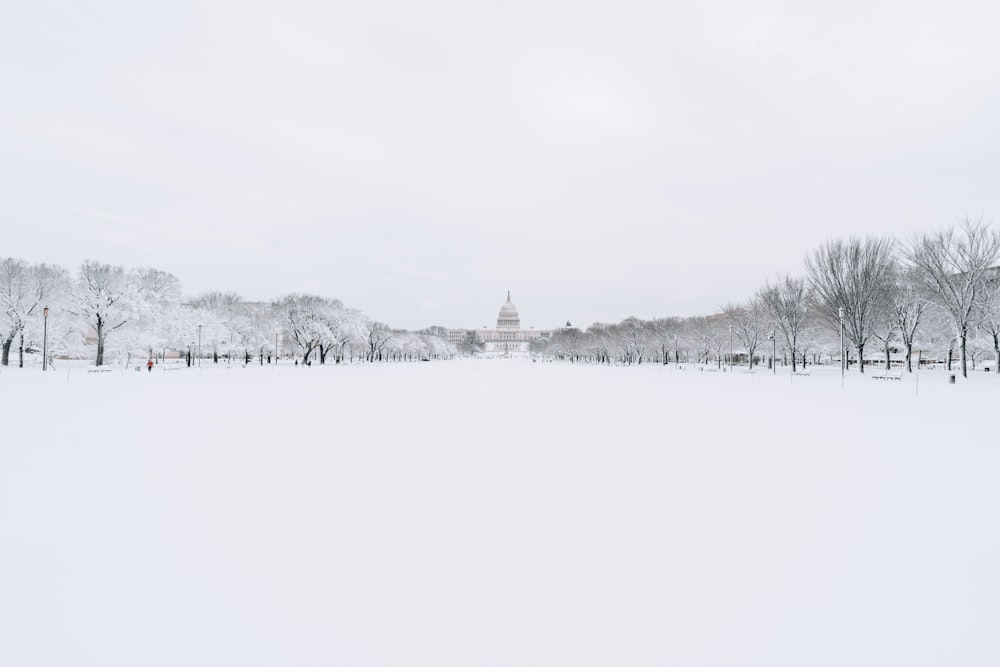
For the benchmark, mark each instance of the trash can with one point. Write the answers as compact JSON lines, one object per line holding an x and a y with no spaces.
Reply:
{"x":951,"y":378}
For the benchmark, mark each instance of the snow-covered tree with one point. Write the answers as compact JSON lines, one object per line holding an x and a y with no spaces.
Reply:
{"x":989,"y":322}
{"x":25,"y":289}
{"x":378,"y":336}
{"x":303,"y":317}
{"x":786,"y":303}
{"x":105,"y":298}
{"x":749,"y":323}
{"x":907,"y":307}
{"x":854,"y":275}
{"x":952,"y":266}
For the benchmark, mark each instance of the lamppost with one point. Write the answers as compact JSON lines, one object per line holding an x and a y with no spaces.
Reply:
{"x":843,"y":362}
{"x":730,"y":348}
{"x":677,"y":356}
{"x":199,"y":346}
{"x":773,"y":337}
{"x":45,"y":338}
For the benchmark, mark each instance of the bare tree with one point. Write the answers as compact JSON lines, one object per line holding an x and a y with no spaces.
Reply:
{"x":907,"y":307}
{"x":665,"y":331}
{"x":567,"y":344}
{"x":854,"y":275}
{"x":379,"y":334}
{"x":747,"y":321}
{"x":600,"y":339}
{"x":952,"y":266}
{"x":634,"y":335}
{"x":990,"y":318}
{"x":885,"y":332}
{"x":786,"y":303}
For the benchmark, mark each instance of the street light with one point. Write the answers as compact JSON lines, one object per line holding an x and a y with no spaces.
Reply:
{"x":45,"y":338}
{"x":773,"y":337}
{"x":843,"y":362}
{"x":199,"y":346}
{"x":730,"y":348}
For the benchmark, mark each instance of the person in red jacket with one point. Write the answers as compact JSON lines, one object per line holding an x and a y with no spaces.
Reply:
{"x":149,"y":365}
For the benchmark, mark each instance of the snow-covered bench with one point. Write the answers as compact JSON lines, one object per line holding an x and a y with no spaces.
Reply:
{"x":803,"y":372}
{"x":98,"y":370}
{"x":888,"y":375}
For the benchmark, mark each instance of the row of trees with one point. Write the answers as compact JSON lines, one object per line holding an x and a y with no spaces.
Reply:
{"x":939,"y":292}
{"x":141,"y":312}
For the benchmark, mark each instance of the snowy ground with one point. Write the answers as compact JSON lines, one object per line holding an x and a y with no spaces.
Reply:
{"x":496,"y":513}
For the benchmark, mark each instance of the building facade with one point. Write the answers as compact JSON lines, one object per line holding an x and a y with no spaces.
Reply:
{"x":507,"y":339}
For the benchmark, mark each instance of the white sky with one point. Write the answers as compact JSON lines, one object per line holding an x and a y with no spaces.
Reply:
{"x":417,"y":160}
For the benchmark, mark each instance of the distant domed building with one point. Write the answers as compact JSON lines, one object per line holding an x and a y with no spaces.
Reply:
{"x":508,"y":317}
{"x":508,"y":339}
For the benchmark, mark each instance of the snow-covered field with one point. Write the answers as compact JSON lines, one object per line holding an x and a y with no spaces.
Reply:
{"x":497,"y":513}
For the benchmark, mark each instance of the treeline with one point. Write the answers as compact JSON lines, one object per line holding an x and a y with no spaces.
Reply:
{"x":107,"y":311}
{"x":938,"y":294}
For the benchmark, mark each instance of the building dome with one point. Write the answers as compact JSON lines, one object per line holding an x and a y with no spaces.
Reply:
{"x":508,"y":317}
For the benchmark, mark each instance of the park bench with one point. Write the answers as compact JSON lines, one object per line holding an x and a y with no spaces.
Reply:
{"x":888,"y":375}
{"x":98,"y":370}
{"x":803,"y":372}
{"x":711,"y":370}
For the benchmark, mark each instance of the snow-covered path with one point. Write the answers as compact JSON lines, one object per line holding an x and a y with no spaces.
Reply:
{"x":496,"y":513}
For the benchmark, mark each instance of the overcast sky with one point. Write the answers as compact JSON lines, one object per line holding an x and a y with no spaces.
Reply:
{"x":417,"y":160}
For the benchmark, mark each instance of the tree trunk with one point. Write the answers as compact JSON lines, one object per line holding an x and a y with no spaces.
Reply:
{"x":887,"y":357}
{"x":5,"y":361}
{"x":795,"y":365}
{"x":20,"y":351}
{"x":996,"y":350}
{"x":909,"y":357}
{"x":100,"y":343}
{"x":861,"y":358}
{"x":964,"y":352}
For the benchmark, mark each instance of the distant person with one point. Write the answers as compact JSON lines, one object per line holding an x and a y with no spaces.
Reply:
{"x":149,"y":365}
